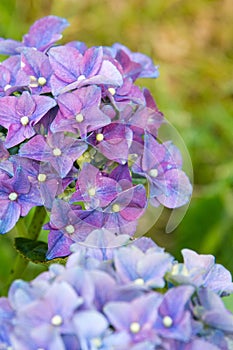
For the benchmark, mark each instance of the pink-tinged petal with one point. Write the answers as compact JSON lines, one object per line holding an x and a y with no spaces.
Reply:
{"x":43,"y":105}
{"x":148,"y":69}
{"x":147,"y":119}
{"x":48,"y":191}
{"x":116,"y":141}
{"x":64,"y":163}
{"x":4,"y":154}
{"x":130,"y":68}
{"x":60,"y":214}
{"x":125,"y":261}
{"x":65,"y":62}
{"x":136,"y":207}
{"x":192,"y":260}
{"x":84,"y":103}
{"x":219,"y":280}
{"x":25,"y":105}
{"x":69,"y":103}
{"x":44,"y":32}
{"x":20,"y":181}
{"x":154,"y":153}
{"x":9,"y":47}
{"x":136,"y":65}
{"x":178,"y":189}
{"x":117,"y":224}
{"x":58,"y":245}
{"x":36,"y":65}
{"x":79,"y":45}
{"x":17,"y":133}
{"x":7,"y":110}
{"x":173,"y":157}
{"x":92,"y":61}
{"x":5,"y":78}
{"x":36,"y":149}
{"x":108,"y":74}
{"x":95,"y":189}
{"x":121,"y":174}
{"x":175,"y":301}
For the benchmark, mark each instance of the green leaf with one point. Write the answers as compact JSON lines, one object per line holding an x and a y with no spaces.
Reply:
{"x":34,"y":251}
{"x":228,"y":301}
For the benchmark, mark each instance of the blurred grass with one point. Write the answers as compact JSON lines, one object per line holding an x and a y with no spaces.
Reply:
{"x":192,"y":44}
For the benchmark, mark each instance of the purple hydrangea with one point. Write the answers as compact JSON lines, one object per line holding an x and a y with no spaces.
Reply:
{"x":80,"y":138}
{"x":17,"y":197}
{"x":201,"y":270}
{"x":67,"y":307}
{"x":84,"y":133}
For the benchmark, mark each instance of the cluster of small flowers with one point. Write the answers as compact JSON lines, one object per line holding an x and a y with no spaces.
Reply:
{"x":80,"y":138}
{"x":134,"y":297}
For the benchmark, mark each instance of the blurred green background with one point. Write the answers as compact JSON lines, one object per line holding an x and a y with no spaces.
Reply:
{"x":192,"y":42}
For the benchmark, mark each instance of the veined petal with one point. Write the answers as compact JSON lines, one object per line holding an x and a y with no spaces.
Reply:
{"x":9,"y":215}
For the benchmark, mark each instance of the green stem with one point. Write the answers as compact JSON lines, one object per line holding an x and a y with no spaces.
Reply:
{"x":32,"y":232}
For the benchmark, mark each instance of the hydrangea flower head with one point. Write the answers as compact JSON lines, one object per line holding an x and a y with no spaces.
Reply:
{"x":84,"y":134}
{"x":86,"y":304}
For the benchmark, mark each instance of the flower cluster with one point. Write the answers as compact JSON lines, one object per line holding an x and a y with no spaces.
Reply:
{"x":80,"y":138}
{"x":134,"y":297}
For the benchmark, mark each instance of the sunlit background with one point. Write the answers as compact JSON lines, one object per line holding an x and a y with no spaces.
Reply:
{"x":192,"y":42}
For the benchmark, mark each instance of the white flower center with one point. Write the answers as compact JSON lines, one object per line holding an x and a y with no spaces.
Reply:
{"x":139,"y":282}
{"x":99,"y":137}
{"x":70,"y":229}
{"x":13,"y":196}
{"x":97,"y":342}
{"x":135,"y":327}
{"x":81,"y":77}
{"x":79,"y":118}
{"x":33,"y":81}
{"x":56,"y":152}
{"x":91,"y":191}
{"x":116,"y":208}
{"x":112,"y":91}
{"x":24,"y":120}
{"x":41,"y":81}
{"x":153,"y":172}
{"x":56,"y":320}
{"x":41,"y":177}
{"x":167,"y":321}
